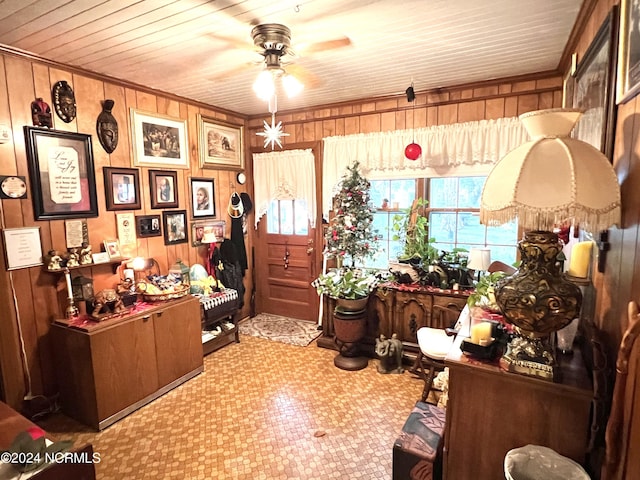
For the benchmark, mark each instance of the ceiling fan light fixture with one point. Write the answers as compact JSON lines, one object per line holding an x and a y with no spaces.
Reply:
{"x":292,"y":86}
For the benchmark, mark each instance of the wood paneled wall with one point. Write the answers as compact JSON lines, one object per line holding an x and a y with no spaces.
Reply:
{"x":488,"y":100}
{"x":41,"y":296}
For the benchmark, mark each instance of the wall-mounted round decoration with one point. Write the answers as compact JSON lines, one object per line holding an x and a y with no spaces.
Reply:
{"x":241,"y":178}
{"x":64,"y":101}
{"x":12,"y":187}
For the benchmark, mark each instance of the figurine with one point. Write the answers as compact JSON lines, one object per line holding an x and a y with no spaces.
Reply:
{"x":390,"y":353}
{"x":53,"y":260}
{"x":73,"y":257}
{"x":110,"y":298}
{"x":85,"y":254}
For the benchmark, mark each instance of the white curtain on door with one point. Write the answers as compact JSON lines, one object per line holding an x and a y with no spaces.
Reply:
{"x":471,"y":147}
{"x":285,"y":175}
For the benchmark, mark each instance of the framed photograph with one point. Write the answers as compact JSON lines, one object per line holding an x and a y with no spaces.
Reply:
{"x":221,"y":144}
{"x":112,"y":247}
{"x":158,"y":140}
{"x":76,"y":233}
{"x":203,"y":197}
{"x":164,"y":188}
{"x":22,"y":247}
{"x":594,"y":88}
{"x":61,"y":171}
{"x":175,"y":227}
{"x":148,"y":226}
{"x":122,"y":188}
{"x":629,"y":61}
{"x":200,"y":229}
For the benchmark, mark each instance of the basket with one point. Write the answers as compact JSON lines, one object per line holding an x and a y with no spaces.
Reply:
{"x":160,"y":297}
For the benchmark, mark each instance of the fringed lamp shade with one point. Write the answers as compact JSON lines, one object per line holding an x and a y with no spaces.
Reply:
{"x":543,"y":183}
{"x":552,"y":179}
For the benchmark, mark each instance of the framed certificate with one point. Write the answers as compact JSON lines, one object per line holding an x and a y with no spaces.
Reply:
{"x":22,"y":247}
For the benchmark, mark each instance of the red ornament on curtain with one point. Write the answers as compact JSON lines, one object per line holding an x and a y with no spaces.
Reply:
{"x":413,"y":150}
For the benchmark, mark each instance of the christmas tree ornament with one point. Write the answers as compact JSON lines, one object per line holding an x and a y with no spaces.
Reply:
{"x":413,"y":150}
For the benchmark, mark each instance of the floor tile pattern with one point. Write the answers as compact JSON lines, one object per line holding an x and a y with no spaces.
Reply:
{"x":260,"y":410}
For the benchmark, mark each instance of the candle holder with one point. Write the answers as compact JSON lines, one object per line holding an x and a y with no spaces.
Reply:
{"x":71,"y":310}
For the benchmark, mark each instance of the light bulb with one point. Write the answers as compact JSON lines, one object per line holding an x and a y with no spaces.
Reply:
{"x":264,"y":85}
{"x":292,"y":86}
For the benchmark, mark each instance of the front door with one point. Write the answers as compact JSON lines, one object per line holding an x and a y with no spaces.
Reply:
{"x":285,"y":262}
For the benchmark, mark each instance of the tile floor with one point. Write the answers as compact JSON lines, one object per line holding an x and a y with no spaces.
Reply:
{"x":260,"y":410}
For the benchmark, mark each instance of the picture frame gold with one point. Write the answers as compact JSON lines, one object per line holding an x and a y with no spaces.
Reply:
{"x":158,"y":140}
{"x":221,"y":144}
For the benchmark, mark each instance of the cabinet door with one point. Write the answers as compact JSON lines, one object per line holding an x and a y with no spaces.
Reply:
{"x":124,"y":362}
{"x":412,"y":311}
{"x":383,"y":305}
{"x":178,"y":340}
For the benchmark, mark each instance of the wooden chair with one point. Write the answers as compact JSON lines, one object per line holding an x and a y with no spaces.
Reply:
{"x":434,"y":344}
{"x":622,"y":459}
{"x":499,"y":266}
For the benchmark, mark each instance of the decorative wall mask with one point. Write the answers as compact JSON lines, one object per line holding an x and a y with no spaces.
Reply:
{"x":41,"y":113}
{"x":64,"y":101}
{"x":107,"y":127}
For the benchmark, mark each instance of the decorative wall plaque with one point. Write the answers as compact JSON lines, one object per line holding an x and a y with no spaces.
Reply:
{"x":64,"y":101}
{"x":107,"y":127}
{"x":13,"y":187}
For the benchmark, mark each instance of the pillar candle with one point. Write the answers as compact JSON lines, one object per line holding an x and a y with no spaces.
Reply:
{"x":481,"y":332}
{"x":67,"y":275}
{"x":580,"y":259}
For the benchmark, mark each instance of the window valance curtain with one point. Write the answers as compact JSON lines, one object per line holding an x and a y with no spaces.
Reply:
{"x":285,"y":175}
{"x":444,"y":148}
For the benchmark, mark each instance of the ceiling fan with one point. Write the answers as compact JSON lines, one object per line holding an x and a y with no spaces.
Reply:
{"x":273,"y":42}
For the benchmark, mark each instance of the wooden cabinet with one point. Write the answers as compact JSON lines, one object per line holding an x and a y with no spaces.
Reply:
{"x":491,"y":411}
{"x":107,"y":370}
{"x":400,"y":309}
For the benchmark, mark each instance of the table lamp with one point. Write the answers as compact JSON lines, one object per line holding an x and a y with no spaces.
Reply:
{"x":542,"y":183}
{"x":479,"y":260}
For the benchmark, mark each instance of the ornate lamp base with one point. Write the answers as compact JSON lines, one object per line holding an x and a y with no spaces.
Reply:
{"x":529,"y":356}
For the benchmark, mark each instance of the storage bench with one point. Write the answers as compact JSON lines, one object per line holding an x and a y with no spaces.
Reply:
{"x":417,"y":452}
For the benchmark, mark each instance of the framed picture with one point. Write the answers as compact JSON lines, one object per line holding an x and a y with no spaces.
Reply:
{"x":22,"y":247}
{"x":164,"y":188}
{"x":126,"y":228}
{"x":148,"y":226}
{"x":200,"y":229}
{"x":158,"y":140}
{"x":594,"y":88}
{"x":203,"y":197}
{"x":122,"y":188}
{"x":112,"y":247}
{"x":221,"y":144}
{"x":61,"y":171}
{"x":175,"y":227}
{"x":629,"y":61}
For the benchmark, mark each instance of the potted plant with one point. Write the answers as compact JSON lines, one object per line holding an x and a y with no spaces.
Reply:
{"x":350,"y":238}
{"x":484,"y":293}
{"x":412,"y":228}
{"x":347,"y":284}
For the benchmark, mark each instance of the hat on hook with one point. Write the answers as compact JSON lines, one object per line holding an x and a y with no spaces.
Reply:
{"x":235,"y":208}
{"x":246,"y":202}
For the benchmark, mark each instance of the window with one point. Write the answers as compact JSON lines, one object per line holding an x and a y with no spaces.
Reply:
{"x":389,"y":197}
{"x":288,"y":217}
{"x":454,"y":218}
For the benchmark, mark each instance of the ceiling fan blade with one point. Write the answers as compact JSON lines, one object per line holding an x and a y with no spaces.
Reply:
{"x":233,"y":71}
{"x":309,"y":48}
{"x":308,"y":79}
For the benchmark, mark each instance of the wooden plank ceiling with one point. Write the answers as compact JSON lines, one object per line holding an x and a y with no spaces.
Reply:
{"x":203,"y":50}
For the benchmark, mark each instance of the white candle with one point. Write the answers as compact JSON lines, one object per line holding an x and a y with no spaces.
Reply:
{"x":67,"y":275}
{"x":129,"y":273}
{"x":481,"y":333}
{"x":580,"y":259}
